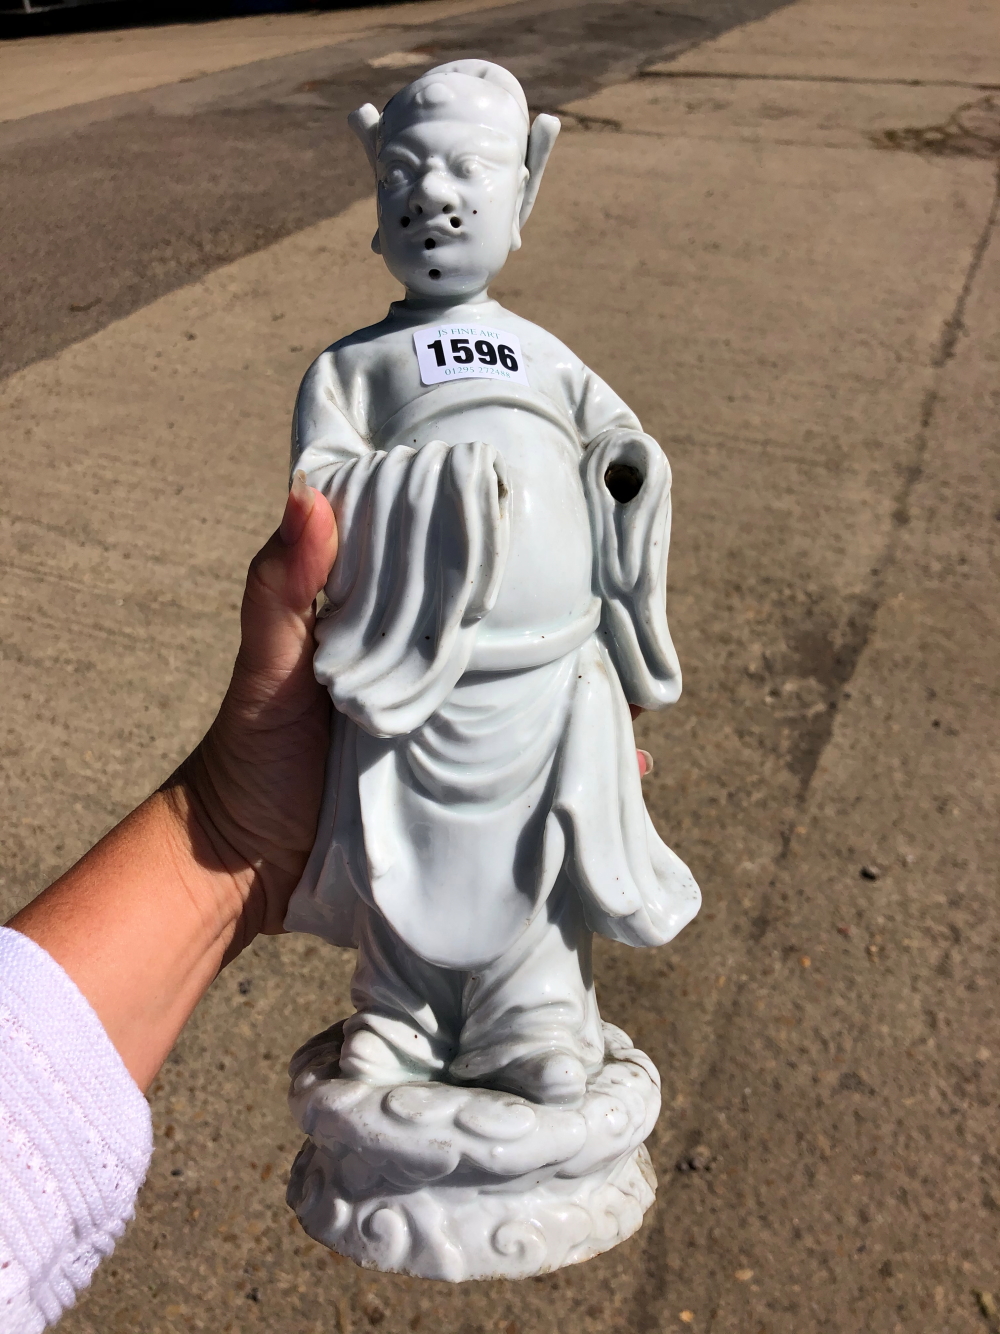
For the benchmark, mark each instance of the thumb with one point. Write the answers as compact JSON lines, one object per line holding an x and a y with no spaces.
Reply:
{"x":296,"y":562}
{"x":284,"y":579}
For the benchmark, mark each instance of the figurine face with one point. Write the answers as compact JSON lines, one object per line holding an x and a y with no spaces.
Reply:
{"x":448,"y":200}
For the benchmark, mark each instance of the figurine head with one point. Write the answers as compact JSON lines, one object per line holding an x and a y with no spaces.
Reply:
{"x":457,"y":169}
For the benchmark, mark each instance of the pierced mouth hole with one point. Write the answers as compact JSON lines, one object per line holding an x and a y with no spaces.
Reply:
{"x":430,"y":243}
{"x":434,"y":273}
{"x":623,"y":481}
{"x":404,"y":222}
{"x":456,"y":222}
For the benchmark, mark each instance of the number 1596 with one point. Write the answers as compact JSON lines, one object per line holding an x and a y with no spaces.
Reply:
{"x":464,"y":351}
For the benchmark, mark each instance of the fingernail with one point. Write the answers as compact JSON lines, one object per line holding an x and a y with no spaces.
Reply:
{"x":298,"y":507}
{"x":648,"y":759}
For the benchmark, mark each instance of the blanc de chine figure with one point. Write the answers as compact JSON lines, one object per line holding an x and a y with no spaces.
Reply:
{"x":498,"y":602}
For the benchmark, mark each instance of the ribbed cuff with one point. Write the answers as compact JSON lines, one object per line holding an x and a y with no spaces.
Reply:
{"x":75,"y":1139}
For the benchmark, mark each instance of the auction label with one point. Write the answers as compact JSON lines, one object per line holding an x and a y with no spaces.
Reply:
{"x":467,"y":351}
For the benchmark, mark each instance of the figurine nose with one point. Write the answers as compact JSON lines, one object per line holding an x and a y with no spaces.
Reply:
{"x":433,"y":193}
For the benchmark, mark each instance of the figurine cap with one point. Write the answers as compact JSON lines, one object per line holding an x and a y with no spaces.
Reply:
{"x":473,"y":90}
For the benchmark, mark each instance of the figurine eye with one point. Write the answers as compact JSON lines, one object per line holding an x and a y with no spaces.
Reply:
{"x":467,"y":167}
{"x":396,"y":175}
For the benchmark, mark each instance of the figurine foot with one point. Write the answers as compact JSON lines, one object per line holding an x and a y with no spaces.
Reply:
{"x":368,"y":1057}
{"x":554,"y":1078}
{"x":450,"y":1182}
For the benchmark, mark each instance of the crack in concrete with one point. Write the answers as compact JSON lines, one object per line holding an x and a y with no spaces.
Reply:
{"x":972,"y":130}
{"x":842,"y":664}
{"x":955,"y":324}
{"x":825,"y":648}
{"x":576,"y":120}
{"x":647,"y":1299}
{"x":858,"y":80}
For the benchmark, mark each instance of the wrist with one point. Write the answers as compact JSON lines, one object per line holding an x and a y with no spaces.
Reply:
{"x":141,"y":924}
{"x":214,"y":876}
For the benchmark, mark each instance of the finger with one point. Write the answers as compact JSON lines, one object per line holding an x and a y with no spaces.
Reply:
{"x":312,"y":549}
{"x":634,"y":710}
{"x":646,"y":764}
{"x":284,"y":578}
{"x":295,"y":564}
{"x":298,"y":506}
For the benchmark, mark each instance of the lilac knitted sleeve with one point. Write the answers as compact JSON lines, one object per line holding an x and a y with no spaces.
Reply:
{"x":75,"y":1139}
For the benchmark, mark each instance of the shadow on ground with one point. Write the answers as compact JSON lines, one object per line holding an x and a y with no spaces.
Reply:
{"x":110,"y":14}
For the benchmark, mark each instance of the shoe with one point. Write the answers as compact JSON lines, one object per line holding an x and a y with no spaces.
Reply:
{"x":368,"y":1057}
{"x":555,"y":1078}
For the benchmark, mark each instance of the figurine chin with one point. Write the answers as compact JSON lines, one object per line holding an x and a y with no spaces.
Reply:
{"x":454,"y":285}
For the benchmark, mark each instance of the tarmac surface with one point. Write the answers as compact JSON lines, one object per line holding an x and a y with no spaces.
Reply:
{"x":773,"y":230}
{"x":165,"y":185}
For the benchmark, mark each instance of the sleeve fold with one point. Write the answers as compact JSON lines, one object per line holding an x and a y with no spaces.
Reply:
{"x":423,"y":543}
{"x":631,"y":540}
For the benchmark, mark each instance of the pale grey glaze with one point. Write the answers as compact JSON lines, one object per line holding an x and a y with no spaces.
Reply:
{"x":493,"y":612}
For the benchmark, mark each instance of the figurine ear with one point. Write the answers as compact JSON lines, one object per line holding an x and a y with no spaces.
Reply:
{"x":543,"y":135}
{"x":364,"y":123}
{"x":376,"y":245}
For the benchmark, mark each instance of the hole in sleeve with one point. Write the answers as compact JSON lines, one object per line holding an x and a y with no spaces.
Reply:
{"x":623,"y":481}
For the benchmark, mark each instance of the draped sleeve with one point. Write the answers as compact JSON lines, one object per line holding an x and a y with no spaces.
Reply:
{"x":631,"y":533}
{"x":423,"y":543}
{"x":627,"y":481}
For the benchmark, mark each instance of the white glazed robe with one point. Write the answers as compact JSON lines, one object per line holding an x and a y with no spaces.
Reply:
{"x":492,"y":612}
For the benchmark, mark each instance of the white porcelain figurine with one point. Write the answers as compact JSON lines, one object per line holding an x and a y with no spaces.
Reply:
{"x":498,"y":602}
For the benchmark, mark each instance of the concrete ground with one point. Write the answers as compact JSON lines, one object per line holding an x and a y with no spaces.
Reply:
{"x":66,"y":69}
{"x":779,"y":247}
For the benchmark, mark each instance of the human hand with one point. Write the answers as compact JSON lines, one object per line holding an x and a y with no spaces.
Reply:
{"x":643,"y":757}
{"x":251,"y":790}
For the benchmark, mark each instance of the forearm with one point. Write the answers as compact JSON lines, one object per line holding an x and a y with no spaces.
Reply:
{"x":141,"y":924}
